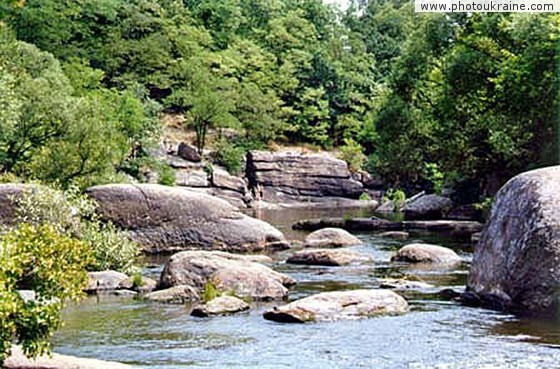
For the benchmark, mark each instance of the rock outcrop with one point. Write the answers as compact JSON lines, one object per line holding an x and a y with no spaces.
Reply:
{"x":332,"y":306}
{"x":223,"y":305}
{"x":227,"y":273}
{"x":516,"y":264}
{"x":169,"y":219}
{"x":427,"y":207}
{"x":18,"y":361}
{"x":331,"y":237}
{"x":425,"y":253}
{"x":326,"y":257}
{"x":285,"y":177}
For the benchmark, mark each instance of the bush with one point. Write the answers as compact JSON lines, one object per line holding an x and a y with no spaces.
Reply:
{"x":397,"y":196}
{"x":352,"y":154}
{"x":229,"y":156}
{"x":166,"y":175}
{"x":41,"y":259}
{"x":73,"y":213}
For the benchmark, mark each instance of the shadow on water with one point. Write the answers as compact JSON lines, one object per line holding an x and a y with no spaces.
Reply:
{"x":435,"y":334}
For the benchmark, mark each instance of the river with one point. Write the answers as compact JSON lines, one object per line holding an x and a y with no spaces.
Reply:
{"x":435,"y":334}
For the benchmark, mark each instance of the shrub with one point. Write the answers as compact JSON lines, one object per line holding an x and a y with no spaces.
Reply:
{"x":397,"y":196}
{"x":229,"y":156}
{"x":365,"y":197}
{"x":166,"y":175}
{"x":41,"y":259}
{"x":352,"y":154}
{"x":73,"y":213}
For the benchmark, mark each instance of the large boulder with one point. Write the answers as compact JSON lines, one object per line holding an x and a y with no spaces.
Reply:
{"x":516,"y":264}
{"x":226,"y":273}
{"x":188,"y":152}
{"x":18,"y":361}
{"x":326,"y":257}
{"x":331,"y":306}
{"x":170,"y":219}
{"x":427,"y":207}
{"x":331,"y":237}
{"x":293,"y":176}
{"x":425,"y":253}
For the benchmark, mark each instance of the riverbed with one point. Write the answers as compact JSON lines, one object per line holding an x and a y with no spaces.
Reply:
{"x":436,"y":333}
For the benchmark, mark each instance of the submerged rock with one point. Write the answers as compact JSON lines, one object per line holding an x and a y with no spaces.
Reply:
{"x":331,"y":237}
{"x":227,"y":273}
{"x":326,"y":257}
{"x":18,"y":361}
{"x":174,"y":295}
{"x":170,"y":219}
{"x":222,"y":305}
{"x":397,"y":235}
{"x":403,"y":284}
{"x":516,"y":264}
{"x":332,"y":306}
{"x":421,"y":252}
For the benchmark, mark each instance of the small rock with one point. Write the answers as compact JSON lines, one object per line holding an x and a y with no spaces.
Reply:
{"x":386,"y":207}
{"x":332,"y":306}
{"x":188,"y":152}
{"x":420,"y":252}
{"x":107,"y":281}
{"x":403,"y":284}
{"x":222,"y":305}
{"x":174,"y":295}
{"x":326,"y":257}
{"x":398,"y":235}
{"x":331,"y":237}
{"x":124,"y":293}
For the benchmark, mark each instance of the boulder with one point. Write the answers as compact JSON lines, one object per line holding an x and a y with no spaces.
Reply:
{"x":180,"y":294}
{"x":387,"y":207}
{"x":516,"y":264}
{"x":331,"y":237}
{"x":222,"y":179}
{"x":427,"y":207}
{"x":146,"y":285}
{"x":191,"y":178}
{"x":326,"y":257}
{"x":227,"y":273}
{"x":397,"y":235}
{"x":18,"y":361}
{"x":222,"y":305}
{"x":292,"y":176}
{"x":188,"y":152}
{"x":107,"y":281}
{"x":421,"y":252}
{"x":171,"y":219}
{"x":332,"y":306}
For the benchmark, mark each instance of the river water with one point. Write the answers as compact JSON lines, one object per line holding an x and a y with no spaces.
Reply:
{"x":435,"y":334}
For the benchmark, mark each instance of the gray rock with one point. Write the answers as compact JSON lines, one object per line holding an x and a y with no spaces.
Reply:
{"x":516,"y":264}
{"x":171,"y":219}
{"x":222,"y":305}
{"x":8,"y":193}
{"x":398,"y":235}
{"x":191,"y":178}
{"x":403,"y":284}
{"x":332,"y":306}
{"x":475,"y":237}
{"x":421,"y":252}
{"x":331,"y":237}
{"x":293,"y":176}
{"x":227,"y":273}
{"x":174,"y":295}
{"x":107,"y":281}
{"x":326,"y":257}
{"x":222,"y":179}
{"x":18,"y":361}
{"x":427,"y":207}
{"x":387,"y":207}
{"x":188,"y":152}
